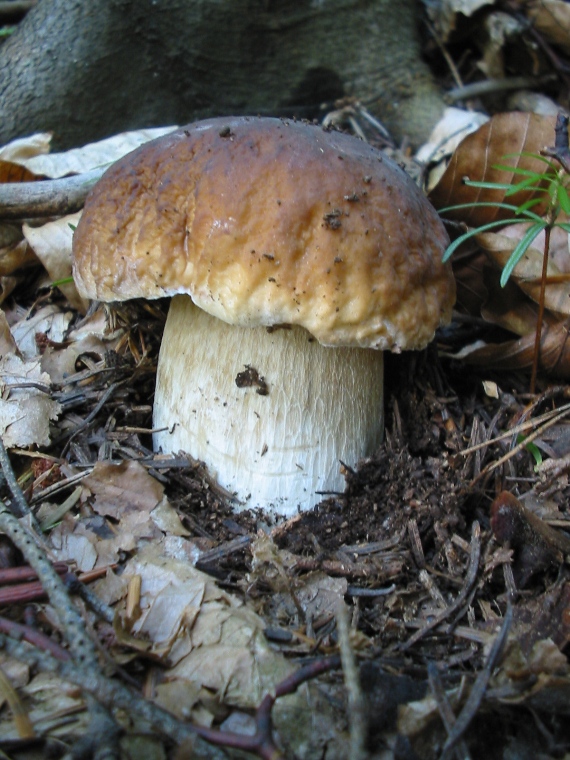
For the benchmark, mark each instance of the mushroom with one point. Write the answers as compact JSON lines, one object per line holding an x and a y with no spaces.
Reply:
{"x":295,"y":256}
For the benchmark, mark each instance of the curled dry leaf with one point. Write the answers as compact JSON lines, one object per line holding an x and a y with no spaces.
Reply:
{"x":552,"y":19}
{"x":514,"y":307}
{"x":87,"y":157}
{"x":527,"y":273}
{"x":11,"y":172}
{"x":554,"y":357}
{"x":20,"y":150}
{"x":7,"y":342}
{"x":503,"y":135}
{"x":52,"y":245}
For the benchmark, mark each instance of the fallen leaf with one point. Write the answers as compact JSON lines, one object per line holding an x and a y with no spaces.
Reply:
{"x":52,"y":245}
{"x":554,"y":358}
{"x":505,"y":134}
{"x":20,"y":150}
{"x":122,"y":488}
{"x":552,"y":19}
{"x":49,"y":320}
{"x":25,"y":410}
{"x":11,"y":172}
{"x":87,"y":157}
{"x":528,"y":272}
{"x":7,"y":343}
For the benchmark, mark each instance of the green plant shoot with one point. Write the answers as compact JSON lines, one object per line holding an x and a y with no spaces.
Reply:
{"x":553,"y":182}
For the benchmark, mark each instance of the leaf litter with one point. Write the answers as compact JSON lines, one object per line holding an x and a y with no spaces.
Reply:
{"x":212,"y":609}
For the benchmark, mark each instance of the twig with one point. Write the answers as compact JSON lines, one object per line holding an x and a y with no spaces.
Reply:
{"x":540,"y":317}
{"x":479,"y":687}
{"x":33,"y":636}
{"x":73,"y":627}
{"x":369,"y":592}
{"x":444,"y":708}
{"x":520,"y":446}
{"x":99,"y":607}
{"x":488,"y":86}
{"x":463,"y":594}
{"x":20,"y":714}
{"x":356,"y":704}
{"x":55,"y":197}
{"x":20,"y":507}
{"x":553,"y":413}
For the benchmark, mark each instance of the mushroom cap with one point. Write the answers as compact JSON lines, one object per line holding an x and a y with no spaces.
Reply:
{"x":265,"y":222}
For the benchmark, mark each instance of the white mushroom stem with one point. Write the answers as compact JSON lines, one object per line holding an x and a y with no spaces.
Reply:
{"x":278,"y":451}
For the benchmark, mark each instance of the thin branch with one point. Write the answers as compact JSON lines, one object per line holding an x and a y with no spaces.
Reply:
{"x":445,"y":709}
{"x":470,"y":579}
{"x":51,"y":197}
{"x":73,"y":627}
{"x":479,"y":687}
{"x":356,"y":704}
{"x":540,"y":318}
{"x":19,"y":507}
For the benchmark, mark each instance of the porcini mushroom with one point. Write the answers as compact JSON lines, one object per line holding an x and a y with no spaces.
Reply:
{"x":295,"y":256}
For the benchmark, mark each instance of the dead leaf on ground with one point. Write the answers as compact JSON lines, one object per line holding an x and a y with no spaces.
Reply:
{"x":505,"y":134}
{"x":52,"y":245}
{"x":49,"y":321}
{"x":7,"y":343}
{"x":552,"y":19}
{"x":130,"y":508}
{"x":527,"y":274}
{"x":25,"y":410}
{"x":454,"y":125}
{"x":87,"y":157}
{"x":119,"y":488}
{"x":518,"y":354}
{"x":11,"y":172}
{"x":20,"y":150}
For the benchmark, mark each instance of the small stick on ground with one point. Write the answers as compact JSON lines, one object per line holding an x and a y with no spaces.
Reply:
{"x":356,"y":704}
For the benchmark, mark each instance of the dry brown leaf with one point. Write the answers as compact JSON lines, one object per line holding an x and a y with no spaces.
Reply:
{"x":508,"y":307}
{"x":52,"y":245}
{"x":10,"y":172}
{"x":16,"y":256}
{"x":123,"y":488}
{"x":504,"y":134}
{"x":518,"y":354}
{"x":552,"y":19}
{"x":7,"y":342}
{"x":527,"y":273}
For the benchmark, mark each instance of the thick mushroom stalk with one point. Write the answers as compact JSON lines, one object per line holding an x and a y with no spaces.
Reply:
{"x":272,"y":412}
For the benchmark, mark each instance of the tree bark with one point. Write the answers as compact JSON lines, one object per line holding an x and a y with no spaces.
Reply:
{"x":85,"y":70}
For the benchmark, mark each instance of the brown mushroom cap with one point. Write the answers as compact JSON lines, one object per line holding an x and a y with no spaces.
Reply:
{"x":264,"y":221}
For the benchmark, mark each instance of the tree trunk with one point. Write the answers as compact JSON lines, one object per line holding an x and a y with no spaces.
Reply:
{"x":85,"y":70}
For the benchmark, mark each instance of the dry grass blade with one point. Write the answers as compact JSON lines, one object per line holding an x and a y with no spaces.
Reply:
{"x":520,"y":446}
{"x":524,"y":426}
